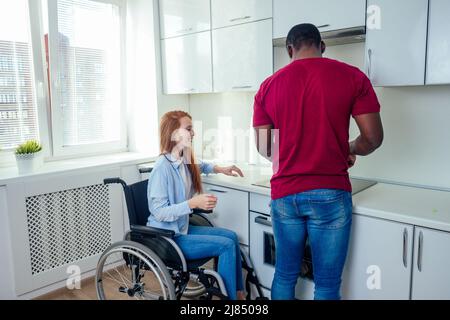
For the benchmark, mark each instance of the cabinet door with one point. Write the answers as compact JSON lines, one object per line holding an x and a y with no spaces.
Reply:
{"x":231,"y":12}
{"x":396,"y":42}
{"x":325,"y":14}
{"x":379,"y":260}
{"x":187,"y":64}
{"x":179,"y":17}
{"x":438,"y":61}
{"x":242,"y":56}
{"x":431,"y":277}
{"x":231,"y":211}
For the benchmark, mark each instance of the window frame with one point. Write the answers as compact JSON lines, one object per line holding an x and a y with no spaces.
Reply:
{"x":56,"y":138}
{"x":7,"y":157}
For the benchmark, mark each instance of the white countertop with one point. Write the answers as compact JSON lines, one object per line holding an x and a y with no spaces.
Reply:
{"x":417,"y":206}
{"x":252,"y":174}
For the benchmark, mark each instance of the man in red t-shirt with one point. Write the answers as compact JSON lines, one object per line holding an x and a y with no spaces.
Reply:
{"x":302,"y":114}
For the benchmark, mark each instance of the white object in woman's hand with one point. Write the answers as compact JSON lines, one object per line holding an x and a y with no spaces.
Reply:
{"x":203,"y":201}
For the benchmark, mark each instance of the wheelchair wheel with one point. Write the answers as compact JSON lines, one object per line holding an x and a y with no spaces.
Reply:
{"x":130,"y":270}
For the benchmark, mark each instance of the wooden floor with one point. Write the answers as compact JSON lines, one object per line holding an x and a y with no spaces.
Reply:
{"x":87,"y":290}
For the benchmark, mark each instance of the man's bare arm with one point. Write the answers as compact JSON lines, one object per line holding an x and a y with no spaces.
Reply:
{"x":371,"y":134}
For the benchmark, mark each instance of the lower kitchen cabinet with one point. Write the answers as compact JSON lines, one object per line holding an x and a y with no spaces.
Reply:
{"x":392,"y":260}
{"x":379,"y":260}
{"x":231,"y":211}
{"x":431,"y":276}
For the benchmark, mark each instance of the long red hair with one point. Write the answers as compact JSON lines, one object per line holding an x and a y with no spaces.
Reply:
{"x":169,"y":123}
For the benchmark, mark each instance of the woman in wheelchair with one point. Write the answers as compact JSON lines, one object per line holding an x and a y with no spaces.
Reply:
{"x":175,"y":189}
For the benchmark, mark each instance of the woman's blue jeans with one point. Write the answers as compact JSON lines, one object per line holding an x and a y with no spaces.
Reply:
{"x":203,"y":242}
{"x":325,"y":216}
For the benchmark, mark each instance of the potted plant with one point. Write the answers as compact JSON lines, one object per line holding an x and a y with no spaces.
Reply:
{"x":29,"y":156}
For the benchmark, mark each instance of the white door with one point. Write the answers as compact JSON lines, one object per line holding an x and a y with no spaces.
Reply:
{"x":396,"y":42}
{"x":231,"y":211}
{"x":186,"y":64}
{"x":379,"y":260}
{"x":431,"y":276}
{"x":438,"y":61}
{"x":242,"y":56}
{"x":179,"y":17}
{"x":325,"y":14}
{"x":230,"y":12}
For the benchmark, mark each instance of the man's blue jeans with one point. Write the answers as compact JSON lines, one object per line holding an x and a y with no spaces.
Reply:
{"x":325,"y":216}
{"x":202,"y":242}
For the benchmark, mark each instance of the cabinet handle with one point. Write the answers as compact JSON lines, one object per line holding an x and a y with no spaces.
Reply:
{"x":323,"y":26}
{"x":190,"y":90}
{"x":242,"y":87}
{"x":369,"y":67}
{"x":240,"y":18}
{"x":419,"y":254}
{"x":405,"y":248}
{"x":185,"y":30}
{"x":263,"y":221}
{"x":217,"y":190}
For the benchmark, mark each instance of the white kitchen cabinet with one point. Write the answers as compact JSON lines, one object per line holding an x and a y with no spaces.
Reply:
{"x":396,"y":42}
{"x":431,"y":277}
{"x":327,"y":15}
{"x":231,"y":211}
{"x":179,"y":17}
{"x":230,"y":12}
{"x":438,"y":61}
{"x":242,"y":56}
{"x":186,"y":63}
{"x":379,"y":261}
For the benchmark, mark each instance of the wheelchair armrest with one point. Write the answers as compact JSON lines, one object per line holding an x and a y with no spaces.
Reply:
{"x":152,"y":232}
{"x":197,"y":210}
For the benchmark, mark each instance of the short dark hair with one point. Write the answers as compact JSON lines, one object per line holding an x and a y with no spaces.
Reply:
{"x":304,"y":34}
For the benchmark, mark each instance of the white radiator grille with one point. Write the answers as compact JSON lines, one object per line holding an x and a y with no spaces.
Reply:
{"x":67,"y":226}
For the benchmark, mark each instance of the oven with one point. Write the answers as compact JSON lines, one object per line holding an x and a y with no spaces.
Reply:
{"x":262,"y":250}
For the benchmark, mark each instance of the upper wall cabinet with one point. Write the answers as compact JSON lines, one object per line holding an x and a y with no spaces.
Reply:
{"x":242,"y":56}
{"x":396,"y":42}
{"x":327,"y":15}
{"x":186,"y":63}
{"x":179,"y":17}
{"x":232,"y":12}
{"x":438,"y":56}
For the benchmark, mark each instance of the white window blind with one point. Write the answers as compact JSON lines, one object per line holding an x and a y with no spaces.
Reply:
{"x":85,"y":72}
{"x":18,"y":111}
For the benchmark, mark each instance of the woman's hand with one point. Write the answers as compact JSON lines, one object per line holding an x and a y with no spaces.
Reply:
{"x":203,"y":201}
{"x":229,"y":171}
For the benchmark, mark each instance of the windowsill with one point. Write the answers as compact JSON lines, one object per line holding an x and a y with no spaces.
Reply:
{"x":11,"y":174}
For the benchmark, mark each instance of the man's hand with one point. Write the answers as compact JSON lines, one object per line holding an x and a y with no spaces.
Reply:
{"x":351,"y":160}
{"x":229,"y":171}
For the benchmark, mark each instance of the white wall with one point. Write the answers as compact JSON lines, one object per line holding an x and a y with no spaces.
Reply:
{"x":416,"y":149}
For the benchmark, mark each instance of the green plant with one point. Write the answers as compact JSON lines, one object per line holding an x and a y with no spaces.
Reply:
{"x":31,"y":146}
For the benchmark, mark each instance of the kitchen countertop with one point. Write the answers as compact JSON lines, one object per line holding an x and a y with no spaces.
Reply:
{"x":252,"y":175}
{"x":416,"y":206}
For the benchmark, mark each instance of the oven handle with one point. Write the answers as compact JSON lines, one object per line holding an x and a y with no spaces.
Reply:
{"x":263,"y":220}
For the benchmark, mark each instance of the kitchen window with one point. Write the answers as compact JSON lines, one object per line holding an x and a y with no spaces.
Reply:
{"x":62,"y":76}
{"x":85,"y":54}
{"x":18,"y":106}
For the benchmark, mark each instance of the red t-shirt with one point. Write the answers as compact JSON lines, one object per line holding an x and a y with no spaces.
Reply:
{"x":310,"y":102}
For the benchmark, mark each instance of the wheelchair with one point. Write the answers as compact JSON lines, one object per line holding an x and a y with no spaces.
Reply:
{"x":149,"y":265}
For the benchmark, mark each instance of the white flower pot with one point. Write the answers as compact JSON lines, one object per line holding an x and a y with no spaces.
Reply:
{"x":29,"y":162}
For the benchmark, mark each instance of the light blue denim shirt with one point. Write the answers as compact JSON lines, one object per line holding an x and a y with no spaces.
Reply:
{"x":167,"y":200}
